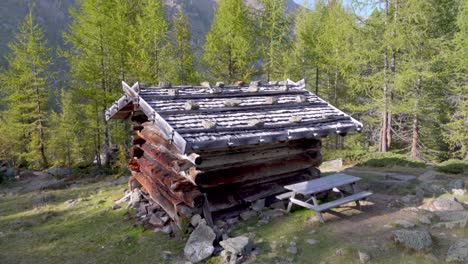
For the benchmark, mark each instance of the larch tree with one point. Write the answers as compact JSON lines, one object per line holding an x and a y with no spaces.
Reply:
{"x":26,"y":80}
{"x":150,"y":44}
{"x":457,"y":66}
{"x":230,"y":48}
{"x":274,"y":26}
{"x":183,"y":68}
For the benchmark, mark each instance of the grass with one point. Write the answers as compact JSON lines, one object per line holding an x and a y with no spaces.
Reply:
{"x":38,"y":227}
{"x":87,"y":233}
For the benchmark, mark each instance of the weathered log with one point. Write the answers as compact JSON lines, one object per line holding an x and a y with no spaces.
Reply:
{"x":182,"y":186}
{"x":167,"y":158}
{"x":231,"y":159}
{"x":157,"y":195}
{"x":137,"y":140}
{"x":167,"y":178}
{"x":256,"y":170}
{"x":156,"y":138}
{"x":136,"y":152}
{"x":133,"y":165}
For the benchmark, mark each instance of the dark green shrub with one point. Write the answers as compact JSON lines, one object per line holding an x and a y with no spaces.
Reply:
{"x":453,"y":167}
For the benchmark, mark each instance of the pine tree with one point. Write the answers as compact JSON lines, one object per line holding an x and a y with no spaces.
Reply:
{"x":229,"y":51}
{"x":26,"y":79}
{"x":274,"y":29}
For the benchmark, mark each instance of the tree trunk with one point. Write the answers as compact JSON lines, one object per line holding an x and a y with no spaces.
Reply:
{"x":384,"y":131}
{"x":316,"y":80}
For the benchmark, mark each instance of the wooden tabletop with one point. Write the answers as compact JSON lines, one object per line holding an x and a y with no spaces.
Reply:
{"x":322,"y":184}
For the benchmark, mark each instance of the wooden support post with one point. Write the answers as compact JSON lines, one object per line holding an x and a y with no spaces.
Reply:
{"x":207,"y":212}
{"x":314,"y":201}
{"x":290,"y":202}
{"x":353,"y":187}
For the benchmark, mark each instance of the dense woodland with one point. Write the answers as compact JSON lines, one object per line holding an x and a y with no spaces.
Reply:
{"x":401,"y":70}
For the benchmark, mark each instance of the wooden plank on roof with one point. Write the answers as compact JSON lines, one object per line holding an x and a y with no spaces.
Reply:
{"x":241,"y":108}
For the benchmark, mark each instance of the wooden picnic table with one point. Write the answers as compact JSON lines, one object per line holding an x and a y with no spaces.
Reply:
{"x":313,"y":187}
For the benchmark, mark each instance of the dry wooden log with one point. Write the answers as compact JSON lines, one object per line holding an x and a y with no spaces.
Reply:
{"x":169,"y":159}
{"x":157,"y":195}
{"x":153,"y":136}
{"x":255,"y":171}
{"x":137,"y":140}
{"x":182,"y":186}
{"x":133,"y":165}
{"x":167,"y":178}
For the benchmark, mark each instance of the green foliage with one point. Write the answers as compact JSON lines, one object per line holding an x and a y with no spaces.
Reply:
{"x":389,"y":159}
{"x":183,"y":69}
{"x":229,"y":52}
{"x":453,"y":166}
{"x":26,"y":79}
{"x":274,"y":27}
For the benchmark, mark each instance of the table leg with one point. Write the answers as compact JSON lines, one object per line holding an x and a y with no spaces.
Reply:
{"x":353,"y":187}
{"x":290,"y":202}
{"x":314,"y":201}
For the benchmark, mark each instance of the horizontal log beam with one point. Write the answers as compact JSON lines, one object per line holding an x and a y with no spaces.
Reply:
{"x":259,"y":170}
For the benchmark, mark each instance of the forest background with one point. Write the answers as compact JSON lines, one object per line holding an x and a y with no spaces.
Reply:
{"x":401,"y":69}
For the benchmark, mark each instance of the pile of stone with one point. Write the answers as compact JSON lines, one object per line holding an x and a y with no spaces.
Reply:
{"x":149,"y":214}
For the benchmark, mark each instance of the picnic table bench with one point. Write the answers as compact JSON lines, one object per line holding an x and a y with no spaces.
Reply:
{"x":313,"y":187}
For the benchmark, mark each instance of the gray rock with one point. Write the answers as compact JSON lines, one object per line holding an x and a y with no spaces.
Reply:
{"x":425,"y":220}
{"x":458,"y":191}
{"x":156,"y":221}
{"x":411,"y":199}
{"x":446,"y":204}
{"x":258,"y":205}
{"x":271,"y":214}
{"x":135,"y":199}
{"x":452,"y":215}
{"x":246,"y":215}
{"x":116,"y":206}
{"x":399,"y":177}
{"x":199,"y":246}
{"x":312,"y":241}
{"x":418,"y":240}
{"x":429,"y":189}
{"x":195,"y":220}
{"x":71,"y":202}
{"x":364,"y":257}
{"x":53,"y":185}
{"x":333,"y":163}
{"x":11,"y":172}
{"x":458,"y":252}
{"x":167,"y":229}
{"x":27,"y":174}
{"x":457,"y":184}
{"x":292,"y":250}
{"x":278,"y":205}
{"x":452,"y":224}
{"x":340,"y":252}
{"x":59,"y":172}
{"x":405,"y":223}
{"x":232,"y":220}
{"x":237,"y":245}
{"x":43,"y":199}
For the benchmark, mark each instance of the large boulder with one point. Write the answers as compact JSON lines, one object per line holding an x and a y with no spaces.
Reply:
{"x":457,"y":184}
{"x":199,"y":246}
{"x":452,"y":219}
{"x":446,"y":204}
{"x":418,"y":240}
{"x":458,"y":252}
{"x":59,"y":172}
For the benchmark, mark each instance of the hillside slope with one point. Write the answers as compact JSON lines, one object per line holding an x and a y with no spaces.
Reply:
{"x":53,"y":15}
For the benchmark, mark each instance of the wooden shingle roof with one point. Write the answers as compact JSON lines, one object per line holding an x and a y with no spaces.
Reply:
{"x":204,"y":117}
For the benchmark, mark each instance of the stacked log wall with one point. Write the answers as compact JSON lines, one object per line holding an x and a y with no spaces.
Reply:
{"x":221,"y":178}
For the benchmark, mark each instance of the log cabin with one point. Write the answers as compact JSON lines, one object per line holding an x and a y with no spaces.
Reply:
{"x":212,"y":148}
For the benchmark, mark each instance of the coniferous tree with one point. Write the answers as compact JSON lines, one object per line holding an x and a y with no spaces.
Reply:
{"x":183,"y":68}
{"x":27,"y":80}
{"x":150,"y":45}
{"x":229,"y":52}
{"x":274,"y":29}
